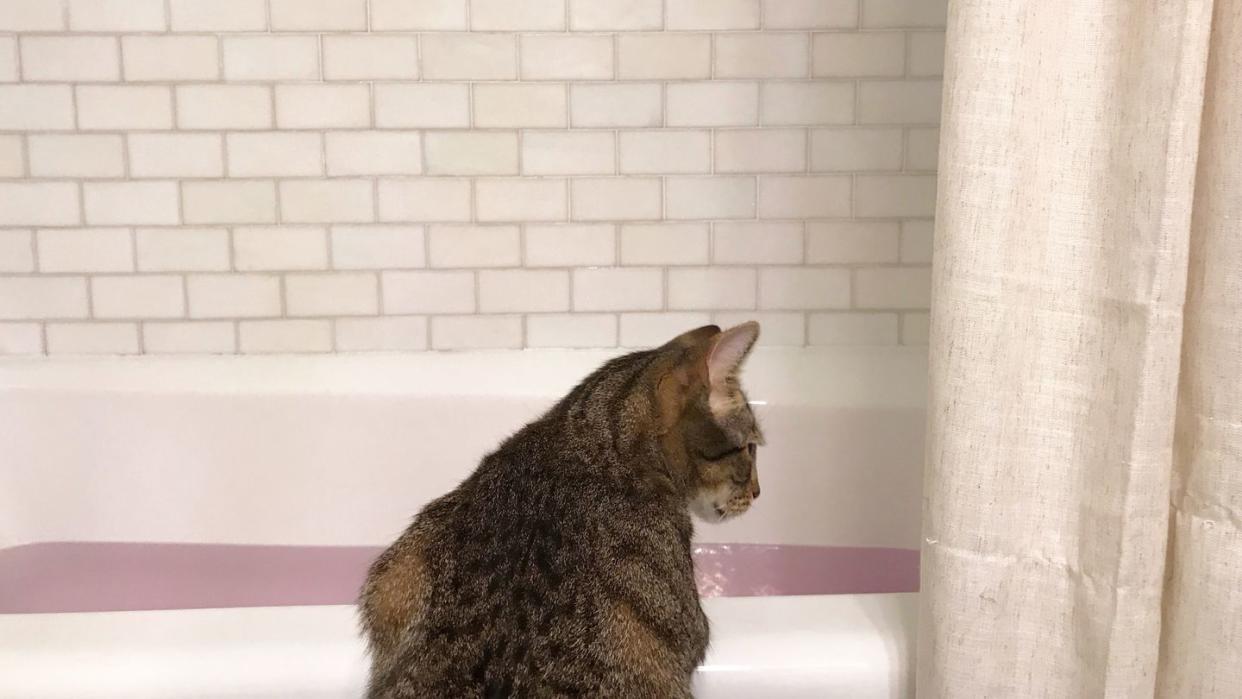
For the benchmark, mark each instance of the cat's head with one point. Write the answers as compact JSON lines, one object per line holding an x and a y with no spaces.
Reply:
{"x":709,"y":431}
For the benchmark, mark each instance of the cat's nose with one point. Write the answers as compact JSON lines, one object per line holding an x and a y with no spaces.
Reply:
{"x":754,"y":491}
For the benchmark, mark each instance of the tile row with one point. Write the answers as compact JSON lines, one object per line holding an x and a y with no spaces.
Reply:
{"x":378,"y":153}
{"x":356,"y":200}
{"x":449,"y":332}
{"x":396,"y":247}
{"x":469,"y":56}
{"x":457,"y":15}
{"x":61,"y":107}
{"x":328,"y":294}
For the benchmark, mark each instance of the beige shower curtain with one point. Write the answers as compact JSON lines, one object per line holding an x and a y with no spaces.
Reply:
{"x":1083,"y":508}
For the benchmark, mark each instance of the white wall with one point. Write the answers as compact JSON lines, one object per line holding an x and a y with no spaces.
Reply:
{"x":338,"y":175}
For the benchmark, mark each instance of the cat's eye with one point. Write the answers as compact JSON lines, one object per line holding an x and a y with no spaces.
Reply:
{"x":722,"y":455}
{"x":752,"y":448}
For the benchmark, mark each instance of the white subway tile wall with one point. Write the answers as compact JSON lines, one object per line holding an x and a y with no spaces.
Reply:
{"x":225,"y":176}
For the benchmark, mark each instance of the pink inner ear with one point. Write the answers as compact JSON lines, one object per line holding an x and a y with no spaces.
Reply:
{"x":730,"y":349}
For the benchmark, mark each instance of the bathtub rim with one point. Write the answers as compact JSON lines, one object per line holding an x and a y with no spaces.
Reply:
{"x":891,"y":376}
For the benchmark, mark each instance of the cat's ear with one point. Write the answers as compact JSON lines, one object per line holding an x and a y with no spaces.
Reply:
{"x":695,"y":338}
{"x":729,"y":350}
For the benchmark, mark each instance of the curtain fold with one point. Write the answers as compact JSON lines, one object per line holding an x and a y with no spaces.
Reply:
{"x":1201,"y":643}
{"x":1089,"y":208}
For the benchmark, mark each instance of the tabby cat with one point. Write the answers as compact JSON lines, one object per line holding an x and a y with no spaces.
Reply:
{"x":561,"y":567}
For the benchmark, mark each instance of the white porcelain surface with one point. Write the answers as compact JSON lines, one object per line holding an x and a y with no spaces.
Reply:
{"x":344,"y":449}
{"x":850,"y":646}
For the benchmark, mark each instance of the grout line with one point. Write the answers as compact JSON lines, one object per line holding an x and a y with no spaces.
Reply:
{"x":373,"y":123}
{"x":329,"y":232}
{"x":127,"y":171}
{"x":711,"y":55}
{"x":220,"y":57}
{"x":804,"y":252}
{"x":664,"y":104}
{"x":519,"y":136}
{"x":320,"y":59}
{"x":90,"y":296}
{"x":375,"y":212}
{"x":616,"y":151}
{"x":615,"y":39}
{"x":905,"y":150}
{"x":380,"y":307}
{"x":890,"y":264}
{"x":857,"y":103}
{"x":711,"y":242}
{"x":419,"y":67}
{"x":271,"y":117}
{"x":712,"y":133}
{"x":23,"y":142}
{"x":758,"y":289}
{"x":426,"y":246}
{"x":82,"y":203}
{"x":73,"y":104}
{"x":280,"y":213}
{"x":18,"y":63}
{"x":120,"y":58}
{"x":519,"y":73}
{"x":907,"y":43}
{"x":474,"y":208}
{"x":810,"y":54}
{"x":133,"y":249}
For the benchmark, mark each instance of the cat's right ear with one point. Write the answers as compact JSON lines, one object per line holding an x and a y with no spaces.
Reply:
{"x":729,"y":350}
{"x":691,"y":348}
{"x":699,"y":337}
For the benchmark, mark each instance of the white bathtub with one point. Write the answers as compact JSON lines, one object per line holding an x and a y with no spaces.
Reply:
{"x":341,"y":450}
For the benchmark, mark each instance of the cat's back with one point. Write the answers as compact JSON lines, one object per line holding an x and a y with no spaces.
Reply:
{"x":541,"y":575}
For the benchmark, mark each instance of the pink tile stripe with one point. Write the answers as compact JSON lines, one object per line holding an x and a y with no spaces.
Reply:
{"x":98,"y":577}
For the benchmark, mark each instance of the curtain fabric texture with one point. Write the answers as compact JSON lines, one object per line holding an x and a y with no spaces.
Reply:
{"x":1083,"y":504}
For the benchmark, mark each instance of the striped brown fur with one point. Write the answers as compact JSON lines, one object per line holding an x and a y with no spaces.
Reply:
{"x":561,"y":567}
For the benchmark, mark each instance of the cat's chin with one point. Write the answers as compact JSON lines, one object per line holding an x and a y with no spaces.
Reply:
{"x":706,"y":509}
{"x":709,"y":515}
